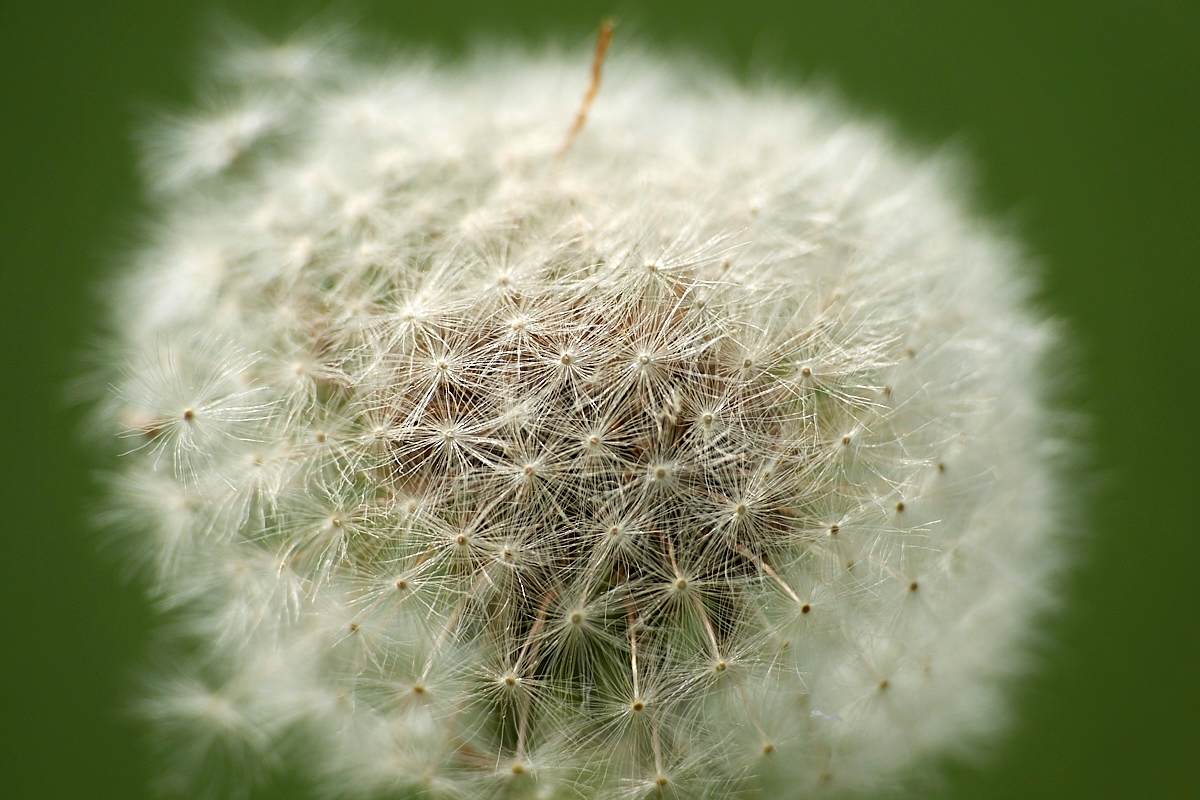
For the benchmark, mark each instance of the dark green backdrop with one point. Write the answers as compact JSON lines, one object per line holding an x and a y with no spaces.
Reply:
{"x":1082,"y":115}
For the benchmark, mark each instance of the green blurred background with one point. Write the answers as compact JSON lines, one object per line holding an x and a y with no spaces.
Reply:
{"x":1083,"y":120}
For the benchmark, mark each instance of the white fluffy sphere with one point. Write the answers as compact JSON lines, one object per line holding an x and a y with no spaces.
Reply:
{"x":708,"y":456}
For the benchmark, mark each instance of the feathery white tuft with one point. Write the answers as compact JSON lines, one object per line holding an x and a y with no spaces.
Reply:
{"x":711,"y":457}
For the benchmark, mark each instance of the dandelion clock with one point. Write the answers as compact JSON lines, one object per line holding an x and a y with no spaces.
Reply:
{"x":480,"y":441}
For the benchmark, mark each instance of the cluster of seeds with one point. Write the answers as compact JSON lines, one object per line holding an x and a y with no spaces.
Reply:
{"x":708,"y":458}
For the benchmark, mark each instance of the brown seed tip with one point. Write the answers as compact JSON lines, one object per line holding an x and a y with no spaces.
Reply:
{"x":602,"y":41}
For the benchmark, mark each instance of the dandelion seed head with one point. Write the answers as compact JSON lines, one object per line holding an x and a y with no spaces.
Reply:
{"x":708,"y":454}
